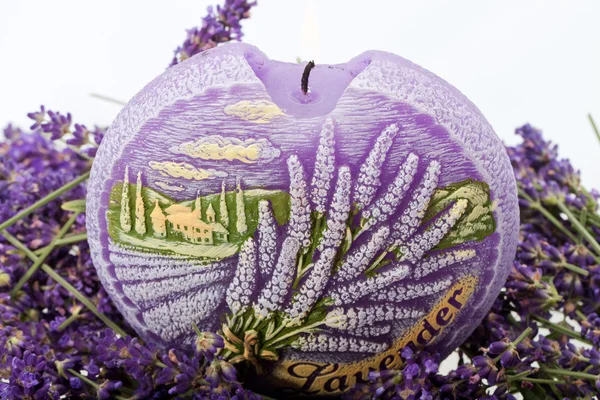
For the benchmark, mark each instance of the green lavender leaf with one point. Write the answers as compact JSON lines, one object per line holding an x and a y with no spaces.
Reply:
{"x":74,"y":205}
{"x":478,"y":220}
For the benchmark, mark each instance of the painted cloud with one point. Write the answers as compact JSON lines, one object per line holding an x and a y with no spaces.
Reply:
{"x":249,"y":151}
{"x":258,"y":111}
{"x":185,"y":170}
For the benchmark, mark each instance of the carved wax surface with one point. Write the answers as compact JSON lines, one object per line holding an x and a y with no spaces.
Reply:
{"x":319,"y":233}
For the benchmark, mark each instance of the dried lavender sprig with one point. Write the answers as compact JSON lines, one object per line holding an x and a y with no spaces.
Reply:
{"x":561,"y":329}
{"x":548,"y":215}
{"x":92,"y":383}
{"x":219,"y":27}
{"x":66,"y":240}
{"x":45,"y":200}
{"x":42,"y":257}
{"x":59,"y":279}
{"x":579,"y":227}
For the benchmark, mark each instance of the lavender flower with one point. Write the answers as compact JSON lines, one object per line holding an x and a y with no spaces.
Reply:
{"x":219,"y":27}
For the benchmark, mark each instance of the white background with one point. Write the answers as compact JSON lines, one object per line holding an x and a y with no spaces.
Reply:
{"x":519,"y":61}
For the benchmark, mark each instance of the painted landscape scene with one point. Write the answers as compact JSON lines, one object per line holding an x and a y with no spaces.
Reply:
{"x":210,"y":226}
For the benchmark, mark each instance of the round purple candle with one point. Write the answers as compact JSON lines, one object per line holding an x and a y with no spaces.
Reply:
{"x":319,"y":233}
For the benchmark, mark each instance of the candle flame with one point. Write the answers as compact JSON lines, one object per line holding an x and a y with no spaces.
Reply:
{"x":310,"y":46}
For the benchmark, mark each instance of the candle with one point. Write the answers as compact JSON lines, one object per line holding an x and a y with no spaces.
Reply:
{"x":320,"y":218}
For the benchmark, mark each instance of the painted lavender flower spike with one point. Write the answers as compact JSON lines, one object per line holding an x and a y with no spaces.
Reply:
{"x":299,"y":226}
{"x":277,"y":289}
{"x":267,"y":239}
{"x":324,"y":168}
{"x":244,"y":281}
{"x":370,"y":172}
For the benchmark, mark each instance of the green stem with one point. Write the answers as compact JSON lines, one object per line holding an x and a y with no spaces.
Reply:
{"x":78,"y":151}
{"x":45,"y":200}
{"x":536,"y":205}
{"x":579,"y":227}
{"x":361,"y":230}
{"x":293,"y":333}
{"x":581,"y":315}
{"x":560,"y":329}
{"x":84,"y":378}
{"x":36,"y":264}
{"x":91,"y":382}
{"x":378,"y":260}
{"x":69,"y":320}
{"x":582,"y":219}
{"x":305,"y":261}
{"x":522,"y":336}
{"x":567,"y":372}
{"x":514,"y":344}
{"x":61,"y":281}
{"x":196,"y":329}
{"x":69,"y":239}
{"x":226,"y":354}
{"x":518,"y":376}
{"x":575,"y":269}
{"x":316,"y":235}
{"x":591,"y":200}
{"x":594,"y":127}
{"x":108,"y":99}
{"x":537,"y":380}
{"x":84,"y":300}
{"x":276,"y":331}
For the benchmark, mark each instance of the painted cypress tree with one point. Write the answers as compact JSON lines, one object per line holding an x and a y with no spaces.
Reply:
{"x":125,"y":217}
{"x":198,"y":205}
{"x":240,"y":207}
{"x":140,"y":210}
{"x":223,"y":213}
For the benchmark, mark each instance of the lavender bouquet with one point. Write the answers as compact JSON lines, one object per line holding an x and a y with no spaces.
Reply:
{"x":63,"y":338}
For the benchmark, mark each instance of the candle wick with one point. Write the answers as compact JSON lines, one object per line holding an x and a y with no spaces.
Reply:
{"x":305,"y":74}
